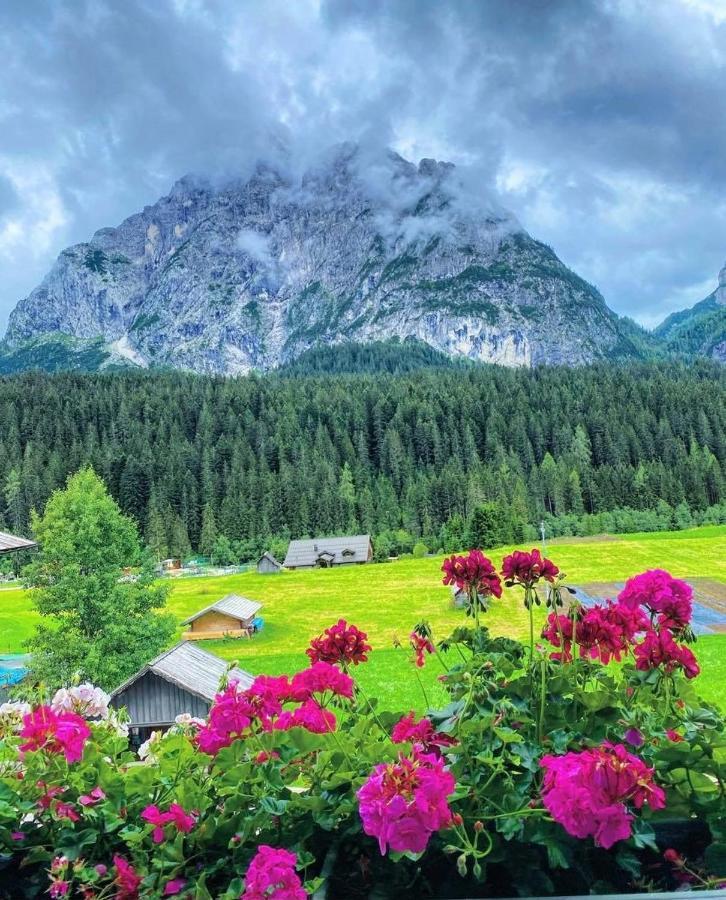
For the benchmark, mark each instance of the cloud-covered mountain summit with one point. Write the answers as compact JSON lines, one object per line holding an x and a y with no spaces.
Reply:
{"x":361,"y":246}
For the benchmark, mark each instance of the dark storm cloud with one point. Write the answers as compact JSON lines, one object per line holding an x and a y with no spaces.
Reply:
{"x":602,"y":125}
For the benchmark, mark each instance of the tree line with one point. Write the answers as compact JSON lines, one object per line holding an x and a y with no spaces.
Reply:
{"x":203,"y":463}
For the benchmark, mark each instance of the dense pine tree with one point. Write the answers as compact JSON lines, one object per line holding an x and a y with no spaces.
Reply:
{"x":193,"y":459}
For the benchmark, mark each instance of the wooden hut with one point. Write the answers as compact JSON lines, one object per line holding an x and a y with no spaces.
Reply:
{"x":232,"y":616}
{"x":9,"y":543}
{"x":268,"y":565}
{"x":183,"y":679}
{"x":323,"y":553}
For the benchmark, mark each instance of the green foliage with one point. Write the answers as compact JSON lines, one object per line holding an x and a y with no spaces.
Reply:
{"x":288,"y":457}
{"x":92,"y":624}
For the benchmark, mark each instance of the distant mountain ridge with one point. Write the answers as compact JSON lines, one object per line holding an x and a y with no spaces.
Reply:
{"x":361,"y":247}
{"x":700,"y":330}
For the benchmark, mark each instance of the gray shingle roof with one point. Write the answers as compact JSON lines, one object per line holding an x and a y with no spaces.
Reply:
{"x":232,"y":605}
{"x":268,"y":556}
{"x":190,"y":668}
{"x":9,"y":542}
{"x":306,"y":552}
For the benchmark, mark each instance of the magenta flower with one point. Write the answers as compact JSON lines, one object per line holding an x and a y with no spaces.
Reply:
{"x":603,"y":632}
{"x":176,"y":815}
{"x":634,"y":737}
{"x":341,"y":643}
{"x":271,"y":875}
{"x":321,"y":678}
{"x":661,"y":594}
{"x":421,"y":734}
{"x":65,"y":732}
{"x":421,"y":645}
{"x":127,"y":879}
{"x":473,"y":573}
{"x":659,"y":649}
{"x":402,"y":804}
{"x":174,"y":886}
{"x":526,"y":569}
{"x":94,"y":797}
{"x":589,"y":792}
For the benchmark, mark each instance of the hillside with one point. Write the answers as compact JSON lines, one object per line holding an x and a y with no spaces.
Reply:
{"x":251,"y":273}
{"x":700,"y":330}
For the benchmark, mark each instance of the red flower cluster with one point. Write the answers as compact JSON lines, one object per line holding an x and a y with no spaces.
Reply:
{"x":341,"y":643}
{"x":658,"y":649}
{"x":664,"y":596}
{"x":421,"y":734}
{"x":526,"y":569}
{"x":588,"y":792}
{"x":235,"y":712}
{"x":650,"y":610}
{"x":271,"y":876}
{"x":421,"y":645}
{"x":127,"y":880}
{"x":65,"y":732}
{"x":404,"y":803}
{"x":175,"y":815}
{"x":473,"y":573}
{"x":601,"y":632}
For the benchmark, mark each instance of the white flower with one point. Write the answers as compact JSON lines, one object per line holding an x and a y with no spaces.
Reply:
{"x":85,"y":699}
{"x":187,"y":720}
{"x":11,"y":716}
{"x":145,"y":751}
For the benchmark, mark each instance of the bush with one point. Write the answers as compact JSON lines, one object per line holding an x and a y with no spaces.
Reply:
{"x":550,"y":770}
{"x":420,"y":550}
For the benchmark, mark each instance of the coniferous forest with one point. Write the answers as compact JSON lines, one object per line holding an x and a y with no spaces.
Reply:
{"x":439,"y":456}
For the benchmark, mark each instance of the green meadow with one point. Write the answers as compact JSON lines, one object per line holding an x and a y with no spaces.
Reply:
{"x":387,"y":599}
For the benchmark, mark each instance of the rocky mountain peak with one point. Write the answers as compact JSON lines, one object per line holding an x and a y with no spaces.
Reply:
{"x":361,"y":246}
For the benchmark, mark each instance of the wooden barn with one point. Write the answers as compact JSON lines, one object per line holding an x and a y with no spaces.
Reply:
{"x":183,"y":679}
{"x":322,"y":553}
{"x":232,"y":616}
{"x":268,"y":565}
{"x":9,"y":543}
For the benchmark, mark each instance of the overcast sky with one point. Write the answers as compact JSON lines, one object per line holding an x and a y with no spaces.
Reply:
{"x":600,"y":123}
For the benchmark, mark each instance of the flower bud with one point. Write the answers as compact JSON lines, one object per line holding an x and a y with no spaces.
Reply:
{"x":461,"y":865}
{"x":478,"y":826}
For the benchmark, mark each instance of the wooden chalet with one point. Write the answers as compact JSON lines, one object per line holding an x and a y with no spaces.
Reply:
{"x":268,"y":565}
{"x":232,"y":616}
{"x":324,"y":553}
{"x":9,"y":543}
{"x":183,"y":679}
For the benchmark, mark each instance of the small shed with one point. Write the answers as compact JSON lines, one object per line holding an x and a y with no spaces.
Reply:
{"x":323,"y":553}
{"x":268,"y":565}
{"x":9,"y":543}
{"x":232,"y":616}
{"x":183,"y":679}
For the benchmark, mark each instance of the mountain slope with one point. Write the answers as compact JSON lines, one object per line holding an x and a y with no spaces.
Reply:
{"x":700,"y":330}
{"x":252,"y":273}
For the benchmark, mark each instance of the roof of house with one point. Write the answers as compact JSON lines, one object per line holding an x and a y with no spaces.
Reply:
{"x":232,"y":605}
{"x":189,"y":667}
{"x":343,"y":549}
{"x":9,"y":543}
{"x":270,"y":558}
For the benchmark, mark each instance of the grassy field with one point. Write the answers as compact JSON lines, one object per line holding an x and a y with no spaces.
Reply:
{"x":386,"y":600}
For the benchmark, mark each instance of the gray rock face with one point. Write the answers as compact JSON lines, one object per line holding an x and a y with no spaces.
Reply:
{"x":721,"y":289}
{"x":251,"y":273}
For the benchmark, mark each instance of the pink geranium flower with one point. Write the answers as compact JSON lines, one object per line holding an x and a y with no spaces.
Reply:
{"x":176,"y":815}
{"x":174,"y":886}
{"x":92,"y":798}
{"x":127,"y":879}
{"x":473,"y":573}
{"x":341,"y":643}
{"x":526,"y":569}
{"x":271,"y":875}
{"x":321,"y":678}
{"x":421,"y":645}
{"x":402,"y":804}
{"x":589,"y":793}
{"x":65,"y":732}
{"x":664,"y":596}
{"x":421,"y":734}
{"x":659,"y":649}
